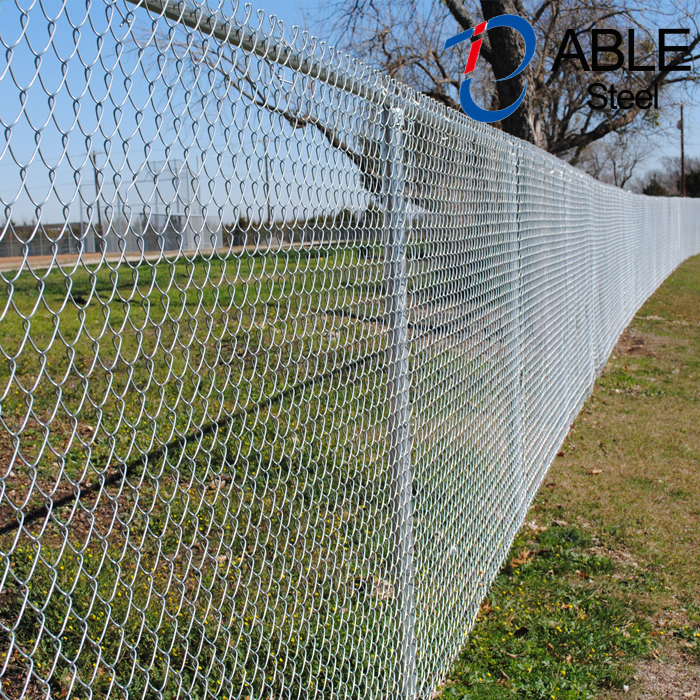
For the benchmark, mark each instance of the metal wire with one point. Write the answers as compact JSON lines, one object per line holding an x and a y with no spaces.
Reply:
{"x":287,"y":350}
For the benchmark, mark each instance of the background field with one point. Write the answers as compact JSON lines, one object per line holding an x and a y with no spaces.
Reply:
{"x":220,"y":421}
{"x":198,"y":491}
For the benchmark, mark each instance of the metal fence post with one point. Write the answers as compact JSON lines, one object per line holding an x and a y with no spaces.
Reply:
{"x":399,"y":429}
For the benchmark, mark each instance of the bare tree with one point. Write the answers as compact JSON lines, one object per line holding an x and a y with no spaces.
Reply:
{"x":405,"y":38}
{"x":260,"y":87}
{"x":615,"y":159}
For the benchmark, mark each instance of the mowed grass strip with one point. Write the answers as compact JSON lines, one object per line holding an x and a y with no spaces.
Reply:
{"x":600,"y":596}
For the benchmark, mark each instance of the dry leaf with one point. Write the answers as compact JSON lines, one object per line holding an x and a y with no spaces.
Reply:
{"x":382,"y":590}
{"x":485,"y":607}
{"x":376,"y":587}
{"x":524,"y":556}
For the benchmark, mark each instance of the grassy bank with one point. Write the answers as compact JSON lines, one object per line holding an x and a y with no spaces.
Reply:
{"x":601,"y":593}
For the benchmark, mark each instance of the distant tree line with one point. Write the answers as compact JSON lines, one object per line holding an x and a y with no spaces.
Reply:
{"x":666,"y":181}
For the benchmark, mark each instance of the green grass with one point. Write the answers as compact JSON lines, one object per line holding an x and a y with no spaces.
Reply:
{"x":213,"y":334}
{"x":226,"y":420}
{"x":208,"y":568}
{"x":554,"y":625}
{"x":229,"y":565}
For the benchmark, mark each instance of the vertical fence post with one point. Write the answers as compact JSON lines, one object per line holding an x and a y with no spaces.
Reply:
{"x":518,"y":310}
{"x":399,"y":428}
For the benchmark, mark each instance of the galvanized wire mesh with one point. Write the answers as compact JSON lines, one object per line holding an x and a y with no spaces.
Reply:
{"x":286,"y":351}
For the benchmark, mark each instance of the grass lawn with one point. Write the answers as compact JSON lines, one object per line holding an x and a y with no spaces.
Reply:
{"x":211,"y":437}
{"x":600,"y":595}
{"x":221,"y":421}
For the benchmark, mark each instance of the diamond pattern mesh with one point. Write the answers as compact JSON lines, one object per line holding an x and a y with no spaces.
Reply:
{"x":287,"y":349}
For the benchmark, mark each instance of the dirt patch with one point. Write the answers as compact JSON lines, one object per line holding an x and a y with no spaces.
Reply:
{"x":17,"y":682}
{"x":636,"y":344}
{"x":620,"y":557}
{"x":671,"y":676}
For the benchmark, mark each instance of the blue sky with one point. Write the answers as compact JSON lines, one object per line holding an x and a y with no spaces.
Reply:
{"x":72,"y":128}
{"x":91,"y":96}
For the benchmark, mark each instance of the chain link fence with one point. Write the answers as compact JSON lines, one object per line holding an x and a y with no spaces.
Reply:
{"x":287,"y":350}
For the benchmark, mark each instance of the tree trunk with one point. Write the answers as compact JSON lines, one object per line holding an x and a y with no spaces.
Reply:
{"x":507,"y":51}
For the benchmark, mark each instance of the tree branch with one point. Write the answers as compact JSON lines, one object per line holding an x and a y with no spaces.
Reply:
{"x":466,"y":21}
{"x":442,"y":97}
{"x":540,"y":11}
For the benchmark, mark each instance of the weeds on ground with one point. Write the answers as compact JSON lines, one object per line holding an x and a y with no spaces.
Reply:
{"x":554,"y":625}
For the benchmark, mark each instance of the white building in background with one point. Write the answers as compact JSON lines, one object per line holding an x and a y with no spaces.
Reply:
{"x":158,"y":232}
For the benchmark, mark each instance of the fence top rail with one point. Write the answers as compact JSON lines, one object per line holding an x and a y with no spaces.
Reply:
{"x":278,"y":50}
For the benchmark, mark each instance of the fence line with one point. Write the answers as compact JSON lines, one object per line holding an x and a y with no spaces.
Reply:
{"x":287,"y":350}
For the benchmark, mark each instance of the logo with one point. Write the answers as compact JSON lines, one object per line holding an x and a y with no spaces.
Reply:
{"x":524,"y":28}
{"x":601,"y":56}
